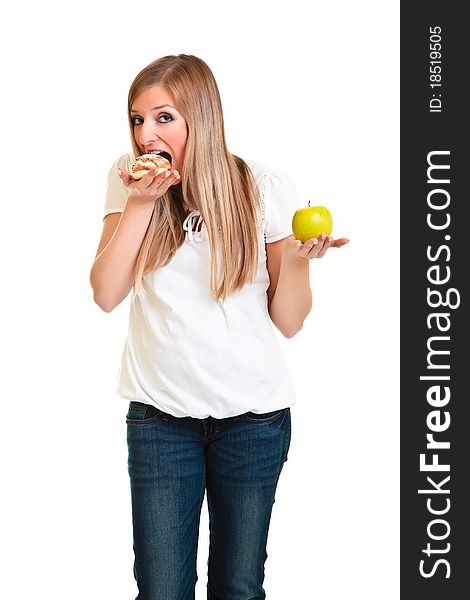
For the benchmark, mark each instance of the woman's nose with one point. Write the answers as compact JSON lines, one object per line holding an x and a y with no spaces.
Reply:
{"x":147,"y":133}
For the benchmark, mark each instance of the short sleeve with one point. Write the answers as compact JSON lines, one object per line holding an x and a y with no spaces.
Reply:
{"x":116,"y":193}
{"x":280,"y":198}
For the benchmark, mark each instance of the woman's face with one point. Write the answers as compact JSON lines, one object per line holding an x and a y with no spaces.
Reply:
{"x":158,"y":125}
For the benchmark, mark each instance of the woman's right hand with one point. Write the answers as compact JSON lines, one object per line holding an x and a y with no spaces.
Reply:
{"x":151,"y":187}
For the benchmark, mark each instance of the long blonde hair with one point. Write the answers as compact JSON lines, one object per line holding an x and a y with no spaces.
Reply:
{"x":219,"y":184}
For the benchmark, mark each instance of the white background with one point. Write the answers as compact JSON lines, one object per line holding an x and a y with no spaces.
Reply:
{"x":310,"y":87}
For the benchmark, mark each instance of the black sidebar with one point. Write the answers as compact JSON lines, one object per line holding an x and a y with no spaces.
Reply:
{"x":434,"y":262}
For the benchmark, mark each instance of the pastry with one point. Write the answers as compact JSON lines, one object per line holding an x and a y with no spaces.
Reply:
{"x":145,"y":162}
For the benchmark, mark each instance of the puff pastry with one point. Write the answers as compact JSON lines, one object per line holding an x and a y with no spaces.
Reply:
{"x":145,"y":162}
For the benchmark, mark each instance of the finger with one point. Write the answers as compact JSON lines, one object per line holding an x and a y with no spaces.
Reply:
{"x":313,"y":247}
{"x":327,"y":241}
{"x":175,"y":178}
{"x":165,"y":180}
{"x":308,"y":247}
{"x":340,"y":242}
{"x":154,"y":177}
{"x":172,"y":176}
{"x":124,"y":176}
{"x":322,"y":252}
{"x":316,"y":249}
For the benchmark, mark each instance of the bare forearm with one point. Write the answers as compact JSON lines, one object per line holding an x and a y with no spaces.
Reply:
{"x":292,"y":300}
{"x":112,"y":274}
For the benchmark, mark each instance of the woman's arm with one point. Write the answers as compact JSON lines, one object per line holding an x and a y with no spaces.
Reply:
{"x":289,"y":293}
{"x":112,"y":273}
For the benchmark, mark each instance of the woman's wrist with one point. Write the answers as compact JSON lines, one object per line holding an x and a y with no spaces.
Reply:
{"x":137,"y":204}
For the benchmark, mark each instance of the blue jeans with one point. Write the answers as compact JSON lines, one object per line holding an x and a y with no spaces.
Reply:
{"x":172,"y":461}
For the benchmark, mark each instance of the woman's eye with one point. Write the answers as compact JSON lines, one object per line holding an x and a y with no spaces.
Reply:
{"x":170,"y":118}
{"x":166,"y":119}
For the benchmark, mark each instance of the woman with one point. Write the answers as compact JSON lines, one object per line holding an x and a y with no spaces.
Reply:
{"x":209,"y":251}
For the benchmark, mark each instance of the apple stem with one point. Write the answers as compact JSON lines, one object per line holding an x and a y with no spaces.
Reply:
{"x":309,"y":202}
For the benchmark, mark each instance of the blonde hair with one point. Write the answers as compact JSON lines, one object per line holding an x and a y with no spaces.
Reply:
{"x":219,"y":184}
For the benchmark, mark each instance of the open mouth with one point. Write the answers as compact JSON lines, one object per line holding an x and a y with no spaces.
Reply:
{"x":166,"y":155}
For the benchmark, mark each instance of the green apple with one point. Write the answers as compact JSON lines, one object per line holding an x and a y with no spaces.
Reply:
{"x":311,"y":221}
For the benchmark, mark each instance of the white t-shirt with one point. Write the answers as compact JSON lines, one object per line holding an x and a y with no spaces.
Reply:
{"x":188,"y":354}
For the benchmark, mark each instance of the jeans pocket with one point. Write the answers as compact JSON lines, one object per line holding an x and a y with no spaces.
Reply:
{"x":269,"y":417}
{"x":140,"y":413}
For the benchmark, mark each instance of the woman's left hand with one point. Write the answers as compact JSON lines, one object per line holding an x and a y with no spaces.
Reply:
{"x":313,"y":247}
